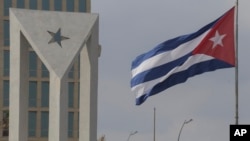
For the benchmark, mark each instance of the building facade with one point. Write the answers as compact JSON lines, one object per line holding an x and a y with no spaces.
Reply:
{"x":38,"y":113}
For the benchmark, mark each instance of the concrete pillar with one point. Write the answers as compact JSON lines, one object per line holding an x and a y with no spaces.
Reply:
{"x":18,"y":120}
{"x":58,"y":108}
{"x":88,"y":88}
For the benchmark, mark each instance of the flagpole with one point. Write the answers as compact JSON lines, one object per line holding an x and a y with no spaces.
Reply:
{"x":154,"y":124}
{"x":236,"y":67}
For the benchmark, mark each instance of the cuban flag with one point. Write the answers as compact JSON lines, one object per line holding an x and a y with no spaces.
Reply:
{"x":175,"y":60}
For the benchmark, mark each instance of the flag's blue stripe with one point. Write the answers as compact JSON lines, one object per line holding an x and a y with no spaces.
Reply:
{"x":170,"y":44}
{"x":182,"y":76}
{"x":158,"y":71}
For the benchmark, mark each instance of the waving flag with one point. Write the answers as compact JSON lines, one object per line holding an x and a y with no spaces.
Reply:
{"x":175,"y":60}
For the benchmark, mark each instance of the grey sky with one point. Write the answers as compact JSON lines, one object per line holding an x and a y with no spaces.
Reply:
{"x":131,"y":27}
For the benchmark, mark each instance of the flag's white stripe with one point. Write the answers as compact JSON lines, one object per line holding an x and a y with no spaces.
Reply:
{"x":140,"y":89}
{"x":169,"y":56}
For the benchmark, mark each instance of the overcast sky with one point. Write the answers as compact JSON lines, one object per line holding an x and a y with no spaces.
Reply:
{"x":129,"y":28}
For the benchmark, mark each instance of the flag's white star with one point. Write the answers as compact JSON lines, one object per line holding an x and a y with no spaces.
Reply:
{"x":217,"y":39}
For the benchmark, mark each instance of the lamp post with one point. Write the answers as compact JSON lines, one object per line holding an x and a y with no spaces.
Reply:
{"x":131,"y":134}
{"x":185,"y":122}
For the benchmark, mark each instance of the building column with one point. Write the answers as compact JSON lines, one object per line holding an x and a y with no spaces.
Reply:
{"x":88,"y":88}
{"x":58,"y":108}
{"x":18,"y":120}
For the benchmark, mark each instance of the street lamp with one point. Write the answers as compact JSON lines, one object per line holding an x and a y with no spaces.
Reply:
{"x":185,"y":122}
{"x":131,"y":134}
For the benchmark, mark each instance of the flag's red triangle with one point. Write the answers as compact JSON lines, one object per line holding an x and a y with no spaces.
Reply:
{"x":219,"y":42}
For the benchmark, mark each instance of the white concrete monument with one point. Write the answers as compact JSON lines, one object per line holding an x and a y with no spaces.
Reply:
{"x":58,"y":38}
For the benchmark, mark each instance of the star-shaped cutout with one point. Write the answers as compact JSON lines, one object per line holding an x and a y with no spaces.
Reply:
{"x":57,"y":37}
{"x":217,"y":39}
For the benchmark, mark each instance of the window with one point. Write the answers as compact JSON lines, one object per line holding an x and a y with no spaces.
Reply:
{"x":45,"y":94}
{"x":6,"y":63}
{"x":70,"y":5}
{"x":78,"y":115}
{"x":20,"y":3}
{"x":78,"y":66}
{"x":71,"y":72}
{"x":32,"y":64}
{"x":7,"y":5}
{"x":45,"y":4}
{"x":71,"y":94}
{"x":5,"y":124}
{"x":32,"y":124}
{"x":33,"y":4}
{"x":32,"y":93}
{"x":44,"y":124}
{"x":6,"y":93}
{"x":6,"y":33}
{"x":82,"y":6}
{"x":45,"y":72}
{"x":78,"y":88}
{"x":70,"y":124}
{"x":58,"y":5}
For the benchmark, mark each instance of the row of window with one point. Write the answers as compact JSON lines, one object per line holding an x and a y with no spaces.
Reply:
{"x":44,"y":123}
{"x":33,"y":65}
{"x":70,"y":5}
{"x":33,"y":94}
{"x":32,"y":125}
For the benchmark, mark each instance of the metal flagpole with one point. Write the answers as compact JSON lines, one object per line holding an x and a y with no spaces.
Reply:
{"x":154,"y":123}
{"x":236,"y":66}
